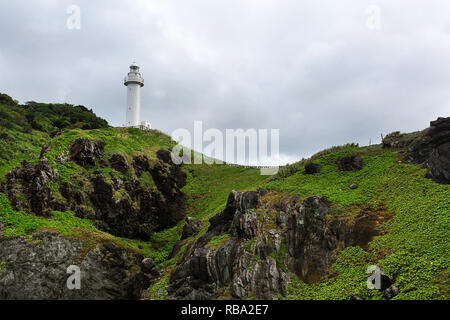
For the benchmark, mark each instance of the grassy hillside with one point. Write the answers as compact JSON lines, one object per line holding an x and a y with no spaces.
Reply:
{"x":207,"y":186}
{"x":414,"y":248}
{"x":25,"y":128}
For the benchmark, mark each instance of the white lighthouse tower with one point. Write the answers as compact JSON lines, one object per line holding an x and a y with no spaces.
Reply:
{"x":134,"y":81}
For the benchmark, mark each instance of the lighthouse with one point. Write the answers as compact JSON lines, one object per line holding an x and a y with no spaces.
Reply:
{"x":134,"y":81}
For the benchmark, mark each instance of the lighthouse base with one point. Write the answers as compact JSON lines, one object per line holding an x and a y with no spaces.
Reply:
{"x":144,"y":125}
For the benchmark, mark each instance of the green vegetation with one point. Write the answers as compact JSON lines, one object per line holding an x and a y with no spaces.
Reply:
{"x":207,"y":189}
{"x":279,"y":256}
{"x":25,"y":128}
{"x":23,"y":224}
{"x":334,"y":184}
{"x":218,"y":241}
{"x":2,"y":266}
{"x":413,"y":248}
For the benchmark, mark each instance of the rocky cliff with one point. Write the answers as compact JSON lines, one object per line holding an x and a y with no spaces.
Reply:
{"x":35,"y":266}
{"x":266,"y":236}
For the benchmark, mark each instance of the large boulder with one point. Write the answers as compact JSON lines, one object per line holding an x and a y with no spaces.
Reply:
{"x":432,"y":149}
{"x":119,"y":163}
{"x":350,"y":163}
{"x":86,"y":152}
{"x":141,"y":164}
{"x":26,"y":187}
{"x":192,"y":227}
{"x":312,"y":168}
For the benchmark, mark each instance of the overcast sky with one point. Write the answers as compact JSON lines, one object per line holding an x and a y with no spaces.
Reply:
{"x":323,"y":72}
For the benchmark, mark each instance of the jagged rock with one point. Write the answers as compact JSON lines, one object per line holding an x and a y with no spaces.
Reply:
{"x":119,"y":163}
{"x":205,"y":270}
{"x":140,"y":164}
{"x":66,"y":191}
{"x":44,"y":150}
{"x":432,"y":149}
{"x":192,"y":227}
{"x":169,"y":179}
{"x":312,"y":168}
{"x":310,"y":242}
{"x":438,"y":164}
{"x":38,"y":269}
{"x":31,"y":181}
{"x":149,"y":268}
{"x":390,"y":292}
{"x":85,"y":152}
{"x":157,"y":209}
{"x":262,"y":247}
{"x":350,"y":163}
{"x":118,"y":217}
{"x":399,"y":140}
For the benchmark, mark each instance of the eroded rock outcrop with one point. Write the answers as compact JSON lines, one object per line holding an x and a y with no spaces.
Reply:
{"x":192,"y":227}
{"x":31,"y":182}
{"x":86,"y":152}
{"x":266,"y":240}
{"x":119,"y":163}
{"x":312,"y":168}
{"x":117,"y":203}
{"x":432,"y":149}
{"x":37,"y":269}
{"x":350,"y":163}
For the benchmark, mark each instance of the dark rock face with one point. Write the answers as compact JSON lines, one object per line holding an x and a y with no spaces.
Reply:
{"x":118,"y":217}
{"x":439,"y":164}
{"x":38,"y":269}
{"x":398,"y":140}
{"x":311,"y":168}
{"x":350,"y":163}
{"x":119,"y":163}
{"x":263,"y":247}
{"x":85,"y":152}
{"x":157,"y":209}
{"x":433,"y":150}
{"x":169,"y":179}
{"x":30,"y":181}
{"x":203,"y":270}
{"x":140,"y":164}
{"x":192,"y":227}
{"x":134,"y":216}
{"x":390,"y":292}
{"x":310,"y":242}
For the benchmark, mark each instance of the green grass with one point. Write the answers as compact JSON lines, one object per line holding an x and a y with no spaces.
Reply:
{"x":334,"y":184}
{"x":218,"y":241}
{"x":414,"y":250}
{"x":23,"y":224}
{"x":207,"y":189}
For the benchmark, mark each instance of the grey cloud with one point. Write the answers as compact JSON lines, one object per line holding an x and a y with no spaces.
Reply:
{"x":313,"y":70}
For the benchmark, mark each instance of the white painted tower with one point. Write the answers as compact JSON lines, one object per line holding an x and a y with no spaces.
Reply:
{"x":134,"y":81}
